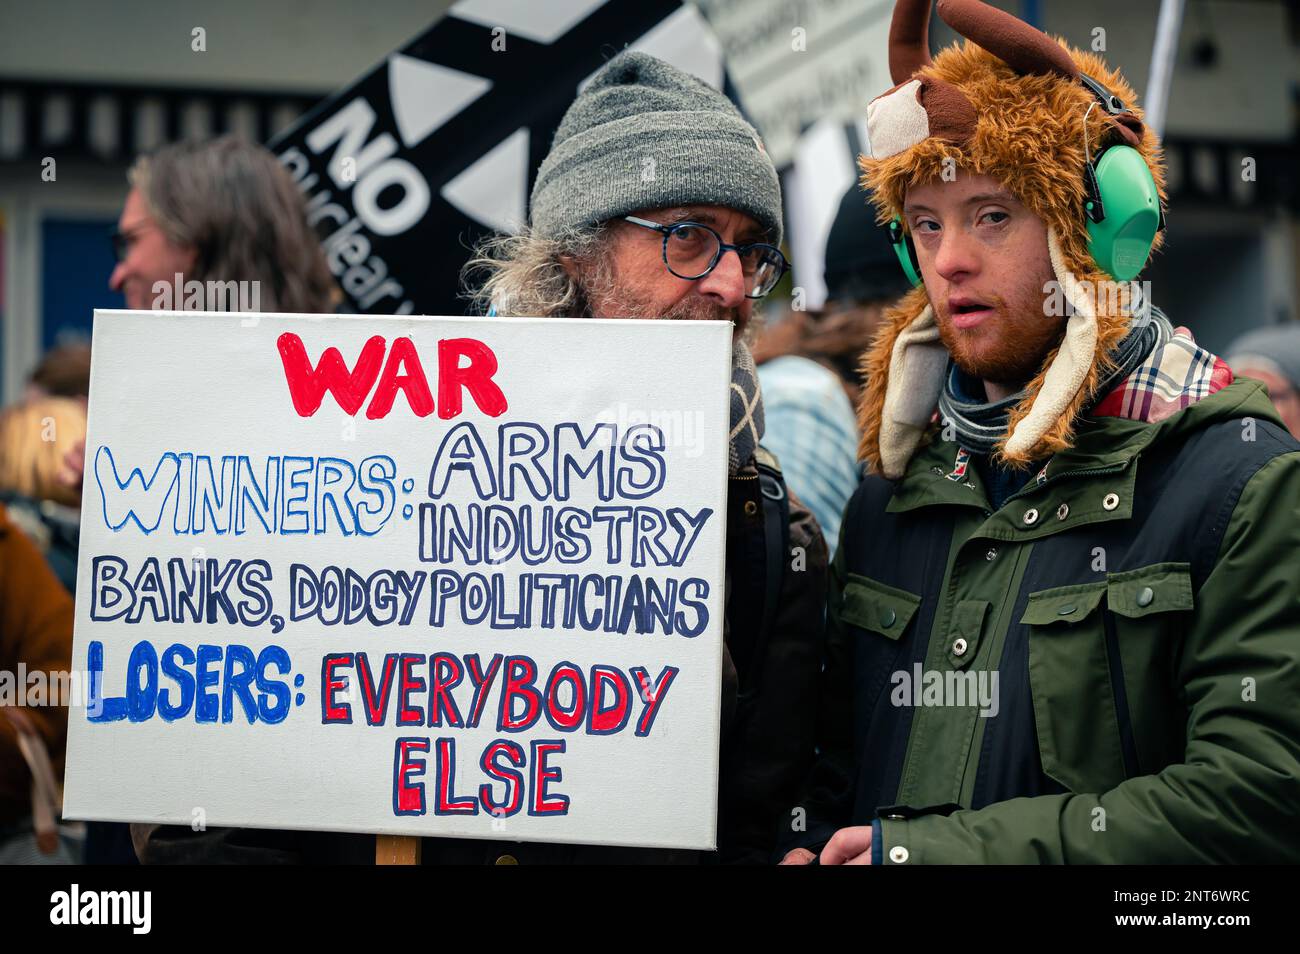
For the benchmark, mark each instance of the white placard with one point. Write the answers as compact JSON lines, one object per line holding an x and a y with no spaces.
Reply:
{"x":469,"y":583}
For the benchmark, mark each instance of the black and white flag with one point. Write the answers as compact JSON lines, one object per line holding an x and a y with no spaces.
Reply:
{"x":405,"y":169}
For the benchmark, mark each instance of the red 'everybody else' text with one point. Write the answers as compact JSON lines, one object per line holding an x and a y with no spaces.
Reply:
{"x":599,"y":701}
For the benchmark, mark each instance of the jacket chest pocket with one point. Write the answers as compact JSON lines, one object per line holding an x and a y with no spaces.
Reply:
{"x":884,"y":613}
{"x":1098,"y":674}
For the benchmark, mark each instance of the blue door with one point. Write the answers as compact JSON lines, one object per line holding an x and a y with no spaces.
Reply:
{"x":76,"y":261}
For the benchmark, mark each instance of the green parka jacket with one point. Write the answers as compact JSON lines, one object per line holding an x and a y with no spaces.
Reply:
{"x":1105,"y":669}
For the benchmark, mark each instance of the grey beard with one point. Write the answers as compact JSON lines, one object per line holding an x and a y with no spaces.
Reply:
{"x":746,"y":425}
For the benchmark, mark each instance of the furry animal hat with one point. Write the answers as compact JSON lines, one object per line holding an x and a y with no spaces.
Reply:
{"x":1010,"y":103}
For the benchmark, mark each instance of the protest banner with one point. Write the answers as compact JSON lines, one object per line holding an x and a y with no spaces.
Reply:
{"x":434,"y":576}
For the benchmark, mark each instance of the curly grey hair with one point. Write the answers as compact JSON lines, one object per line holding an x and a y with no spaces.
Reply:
{"x":528,"y":275}
{"x":525,"y":274}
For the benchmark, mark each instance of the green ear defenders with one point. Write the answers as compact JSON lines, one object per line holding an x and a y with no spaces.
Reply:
{"x":1121,"y":207}
{"x":1121,"y":203}
{"x":905,"y":251}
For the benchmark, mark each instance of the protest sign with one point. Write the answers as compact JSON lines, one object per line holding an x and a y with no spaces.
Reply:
{"x":405,"y":576}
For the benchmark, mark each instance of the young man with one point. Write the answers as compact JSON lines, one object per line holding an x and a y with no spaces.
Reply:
{"x":658,"y":201}
{"x":1065,"y":611}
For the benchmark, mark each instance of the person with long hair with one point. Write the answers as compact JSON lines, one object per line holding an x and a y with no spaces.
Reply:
{"x":222,"y":211}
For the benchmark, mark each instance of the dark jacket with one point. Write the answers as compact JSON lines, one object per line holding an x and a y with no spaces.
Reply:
{"x":1139,"y":602}
{"x":768,"y":690}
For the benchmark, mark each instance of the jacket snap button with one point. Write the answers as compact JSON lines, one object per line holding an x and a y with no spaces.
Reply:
{"x":959,"y":647}
{"x":751,"y":508}
{"x":1062,"y":511}
{"x":1066,"y":610}
{"x":507,"y":860}
{"x":887,"y":617}
{"x":1146,"y":596}
{"x":898,"y":855}
{"x":1110,"y":502}
{"x":991,"y":555}
{"x":1031,"y":517}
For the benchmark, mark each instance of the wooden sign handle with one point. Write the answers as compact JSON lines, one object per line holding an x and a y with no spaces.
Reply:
{"x":397,"y":850}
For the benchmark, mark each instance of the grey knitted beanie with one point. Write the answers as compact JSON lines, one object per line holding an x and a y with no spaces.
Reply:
{"x":645,"y":135}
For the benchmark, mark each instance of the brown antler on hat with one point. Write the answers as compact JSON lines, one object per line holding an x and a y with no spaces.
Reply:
{"x":917,"y":108}
{"x":920,"y":107}
{"x":1026,"y":50}
{"x":1014,"y":42}
{"x":909,"y":39}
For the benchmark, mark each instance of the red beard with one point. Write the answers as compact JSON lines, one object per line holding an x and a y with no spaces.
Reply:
{"x":1007,"y":348}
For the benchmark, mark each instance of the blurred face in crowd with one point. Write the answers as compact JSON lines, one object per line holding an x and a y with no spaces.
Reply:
{"x":148,"y":255}
{"x":984,"y":259}
{"x":633,"y":282}
{"x":1284,"y":395}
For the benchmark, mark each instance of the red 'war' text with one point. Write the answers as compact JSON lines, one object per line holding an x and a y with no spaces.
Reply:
{"x":402,"y":371}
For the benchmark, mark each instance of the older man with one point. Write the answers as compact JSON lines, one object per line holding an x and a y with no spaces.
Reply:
{"x":659,"y":201}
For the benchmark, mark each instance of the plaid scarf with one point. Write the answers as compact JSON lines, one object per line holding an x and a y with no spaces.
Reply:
{"x":1174,"y":376}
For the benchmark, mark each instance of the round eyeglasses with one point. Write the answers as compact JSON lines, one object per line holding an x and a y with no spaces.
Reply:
{"x":692,"y":250}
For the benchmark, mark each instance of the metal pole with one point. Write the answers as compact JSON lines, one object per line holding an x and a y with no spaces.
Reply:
{"x":1168,"y":26}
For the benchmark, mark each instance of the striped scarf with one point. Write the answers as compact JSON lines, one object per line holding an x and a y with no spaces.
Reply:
{"x":746,"y":409}
{"x":982,"y":426}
